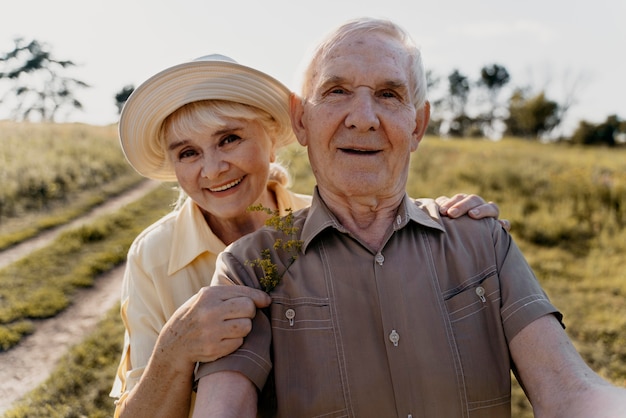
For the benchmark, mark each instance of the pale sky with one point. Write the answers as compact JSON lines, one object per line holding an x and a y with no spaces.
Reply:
{"x":555,"y":43}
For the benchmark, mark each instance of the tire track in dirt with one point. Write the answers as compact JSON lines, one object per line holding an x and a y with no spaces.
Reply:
{"x":20,"y":250}
{"x":27,"y":365}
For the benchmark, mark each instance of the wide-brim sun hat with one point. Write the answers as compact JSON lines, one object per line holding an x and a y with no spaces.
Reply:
{"x":212,"y":77}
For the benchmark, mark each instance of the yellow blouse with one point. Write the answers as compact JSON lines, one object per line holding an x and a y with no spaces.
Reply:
{"x":169,"y":262}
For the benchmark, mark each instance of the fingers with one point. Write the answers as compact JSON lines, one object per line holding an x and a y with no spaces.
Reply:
{"x":222,"y":338}
{"x":458,"y":205}
{"x":259,"y":297}
{"x":461,"y":204}
{"x":230,"y":302}
{"x":211,"y":324}
{"x":472,"y":205}
{"x":224,"y":348}
{"x":445,"y":200}
{"x":486,"y":210}
{"x":505,"y":224}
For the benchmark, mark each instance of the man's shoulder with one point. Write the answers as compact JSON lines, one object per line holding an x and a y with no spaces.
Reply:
{"x":427,"y":205}
{"x":266,"y":236}
{"x":464,"y":223}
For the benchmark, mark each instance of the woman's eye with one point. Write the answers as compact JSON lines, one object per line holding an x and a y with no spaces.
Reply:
{"x":187,"y":155}
{"x":229,"y":139}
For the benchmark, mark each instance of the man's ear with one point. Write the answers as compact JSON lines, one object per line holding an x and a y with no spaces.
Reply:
{"x":422,"y":117}
{"x":296,"y":113}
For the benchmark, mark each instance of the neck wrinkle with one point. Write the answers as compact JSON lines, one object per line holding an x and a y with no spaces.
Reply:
{"x":230,"y":230}
{"x":366,"y":217}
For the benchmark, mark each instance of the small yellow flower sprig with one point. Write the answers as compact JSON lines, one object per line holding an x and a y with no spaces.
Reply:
{"x":271,"y":276}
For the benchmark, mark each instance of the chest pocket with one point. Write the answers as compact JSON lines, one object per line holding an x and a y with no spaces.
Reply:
{"x":303,"y":329}
{"x":474,"y":314}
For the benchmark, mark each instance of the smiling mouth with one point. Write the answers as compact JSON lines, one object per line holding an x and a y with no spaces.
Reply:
{"x":358,"y":151}
{"x":227,"y":186}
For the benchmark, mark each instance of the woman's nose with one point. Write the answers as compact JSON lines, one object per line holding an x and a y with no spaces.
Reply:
{"x":213,"y":164}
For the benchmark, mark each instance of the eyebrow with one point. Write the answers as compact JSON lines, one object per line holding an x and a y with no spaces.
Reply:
{"x":177,"y":144}
{"x":331,"y":80}
{"x":224,"y":130}
{"x":387,"y":84}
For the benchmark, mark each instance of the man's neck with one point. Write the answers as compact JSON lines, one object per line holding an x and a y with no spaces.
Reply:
{"x":366,"y":217}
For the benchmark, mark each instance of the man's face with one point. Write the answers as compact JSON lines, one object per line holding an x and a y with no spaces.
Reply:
{"x":360,"y":124}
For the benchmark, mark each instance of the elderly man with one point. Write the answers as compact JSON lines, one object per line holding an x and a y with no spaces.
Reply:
{"x":389,"y":309}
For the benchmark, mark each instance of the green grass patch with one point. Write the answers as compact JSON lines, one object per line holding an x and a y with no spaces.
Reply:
{"x":42,"y":284}
{"x":30,"y":224}
{"x":567,"y":206}
{"x":69,"y":159}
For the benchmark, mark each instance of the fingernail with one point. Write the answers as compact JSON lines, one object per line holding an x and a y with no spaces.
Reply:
{"x":453,"y":212}
{"x":474,"y":212}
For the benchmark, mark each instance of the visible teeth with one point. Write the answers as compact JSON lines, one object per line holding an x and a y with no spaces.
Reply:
{"x":360,"y":151}
{"x":226,"y":186}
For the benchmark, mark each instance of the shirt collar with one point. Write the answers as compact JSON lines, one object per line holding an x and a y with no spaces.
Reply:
{"x":193,"y":236}
{"x":422,"y":211}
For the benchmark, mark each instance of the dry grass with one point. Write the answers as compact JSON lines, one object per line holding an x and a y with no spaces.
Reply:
{"x":568,"y":211}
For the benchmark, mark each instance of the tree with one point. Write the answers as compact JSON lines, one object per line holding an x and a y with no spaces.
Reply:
{"x":122,"y":96}
{"x":39,"y":87}
{"x":493,"y":78}
{"x":603,"y":134}
{"x":434,"y":124}
{"x":531,"y":117}
{"x":458,"y":90}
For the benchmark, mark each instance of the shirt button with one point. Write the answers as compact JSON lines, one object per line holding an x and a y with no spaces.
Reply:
{"x":394,"y":337}
{"x":380,"y":259}
{"x":480,"y":292}
{"x":290,"y":314}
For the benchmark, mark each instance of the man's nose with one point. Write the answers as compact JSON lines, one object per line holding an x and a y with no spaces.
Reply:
{"x":362,"y":113}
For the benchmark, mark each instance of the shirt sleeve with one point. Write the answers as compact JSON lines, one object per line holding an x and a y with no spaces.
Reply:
{"x":252,"y":359}
{"x":523,"y":299}
{"x":143,"y":319}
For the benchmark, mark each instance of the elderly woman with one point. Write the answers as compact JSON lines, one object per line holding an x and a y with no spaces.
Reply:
{"x":215,"y":127}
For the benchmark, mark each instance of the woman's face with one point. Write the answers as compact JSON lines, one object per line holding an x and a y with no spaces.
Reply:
{"x":225,"y":168}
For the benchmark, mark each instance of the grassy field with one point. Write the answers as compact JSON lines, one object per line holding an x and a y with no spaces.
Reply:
{"x":51,"y":173}
{"x":568,"y":211}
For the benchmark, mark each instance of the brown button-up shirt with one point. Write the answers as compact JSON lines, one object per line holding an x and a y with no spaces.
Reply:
{"x":418,"y":329}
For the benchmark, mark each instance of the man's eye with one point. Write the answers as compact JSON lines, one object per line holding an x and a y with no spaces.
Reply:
{"x":389,"y":94}
{"x":337,"y":90}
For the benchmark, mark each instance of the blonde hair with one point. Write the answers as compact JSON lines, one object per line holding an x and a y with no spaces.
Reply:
{"x":358,"y":27}
{"x":193,"y":117}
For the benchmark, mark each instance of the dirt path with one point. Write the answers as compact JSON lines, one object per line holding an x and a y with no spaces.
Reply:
{"x":14,"y":253}
{"x":26,"y":366}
